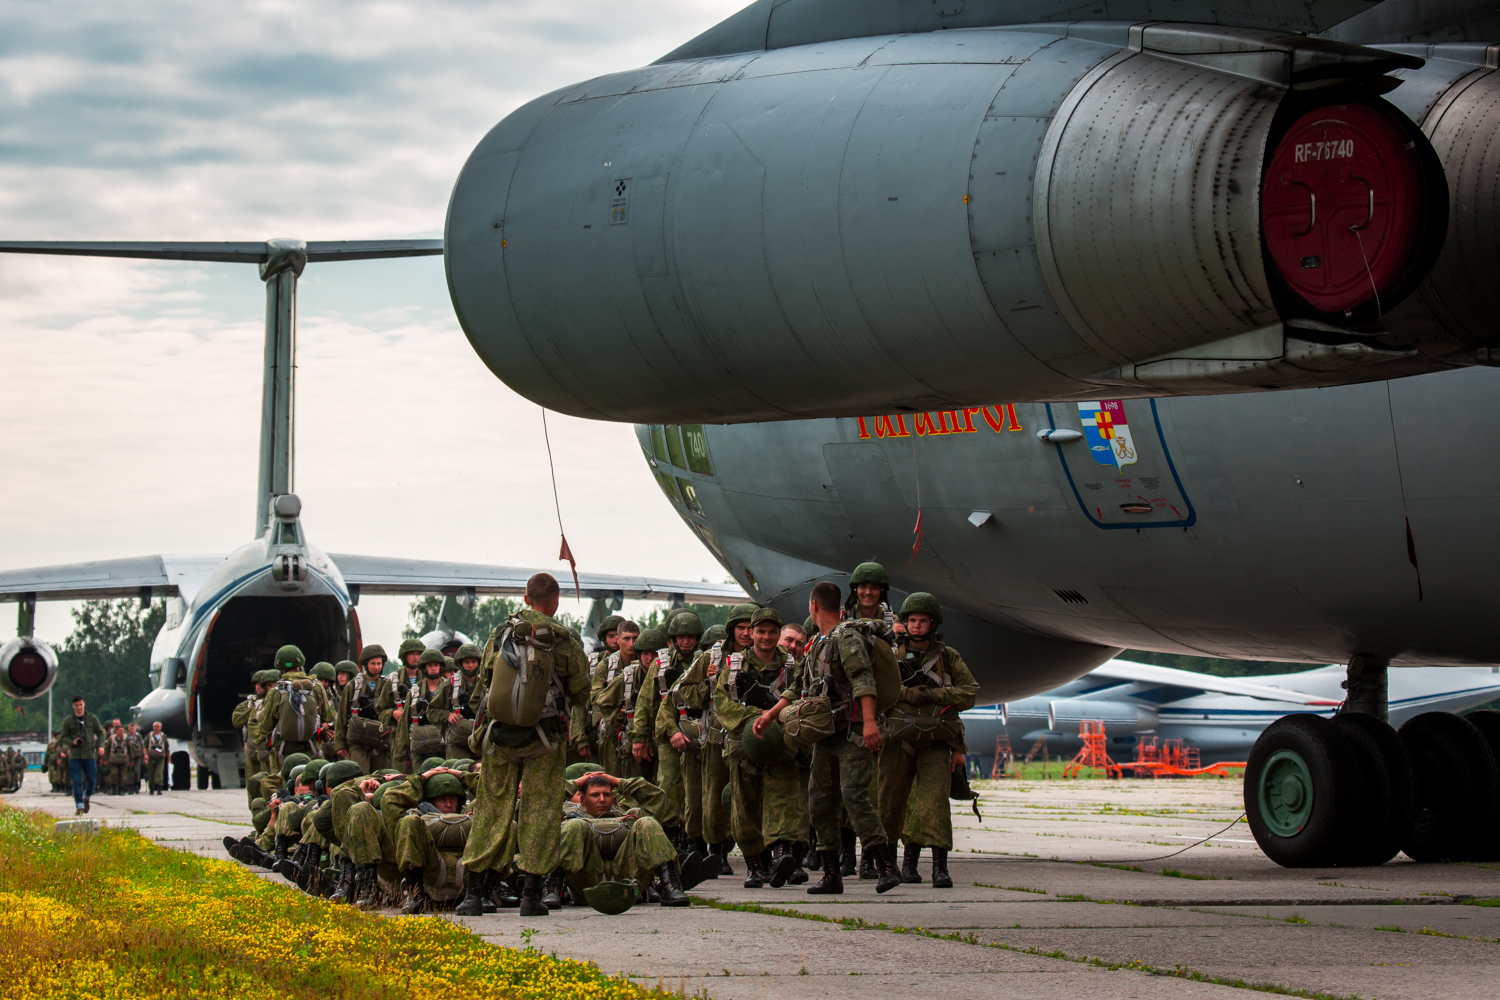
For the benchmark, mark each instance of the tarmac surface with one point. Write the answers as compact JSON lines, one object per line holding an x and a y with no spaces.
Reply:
{"x":1065,"y":889}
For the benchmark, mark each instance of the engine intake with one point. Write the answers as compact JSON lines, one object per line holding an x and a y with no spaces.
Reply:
{"x":28,"y":668}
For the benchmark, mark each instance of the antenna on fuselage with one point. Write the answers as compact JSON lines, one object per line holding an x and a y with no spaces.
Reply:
{"x":281,"y":263}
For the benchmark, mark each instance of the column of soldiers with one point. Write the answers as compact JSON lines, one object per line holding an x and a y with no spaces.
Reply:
{"x":123,"y":756}
{"x":448,"y":781}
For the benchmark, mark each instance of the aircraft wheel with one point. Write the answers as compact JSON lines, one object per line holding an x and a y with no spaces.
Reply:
{"x":1299,"y":782}
{"x":1487,"y":721}
{"x":1386,"y":790}
{"x":1458,"y":788}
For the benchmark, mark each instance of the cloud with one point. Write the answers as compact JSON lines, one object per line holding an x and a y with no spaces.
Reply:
{"x":133,"y":388}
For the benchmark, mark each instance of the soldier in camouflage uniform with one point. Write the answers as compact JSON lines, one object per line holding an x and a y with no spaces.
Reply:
{"x":458,"y":702}
{"x":837,"y":664}
{"x":915,"y":774}
{"x":522,"y":768}
{"x":628,"y":844}
{"x":431,"y":835}
{"x":157,"y":752}
{"x":137,"y":759}
{"x":614,"y":689}
{"x":327,"y":740}
{"x":367,"y":745}
{"x":695,"y":690}
{"x":366,"y":826}
{"x":413,"y":723}
{"x":117,"y":757}
{"x":679,"y":765}
{"x":246,"y":718}
{"x":57,"y":763}
{"x":394,"y":703}
{"x":293,"y":686}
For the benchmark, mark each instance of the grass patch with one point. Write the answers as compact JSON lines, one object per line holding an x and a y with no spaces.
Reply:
{"x":1010,"y":888}
{"x":1174,"y":873}
{"x":111,"y":915}
{"x":1482,"y":902}
{"x":1390,"y":927}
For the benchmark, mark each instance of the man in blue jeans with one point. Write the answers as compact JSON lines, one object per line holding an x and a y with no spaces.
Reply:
{"x":83,"y":738}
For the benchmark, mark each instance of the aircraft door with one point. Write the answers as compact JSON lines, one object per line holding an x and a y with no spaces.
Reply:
{"x":1117,"y":464}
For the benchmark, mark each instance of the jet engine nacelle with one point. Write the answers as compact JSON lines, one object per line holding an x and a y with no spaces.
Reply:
{"x":1119,"y":718}
{"x":28,"y":668}
{"x":931,"y":220}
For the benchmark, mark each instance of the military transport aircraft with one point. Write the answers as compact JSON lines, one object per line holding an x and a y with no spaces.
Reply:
{"x":1032,"y":275}
{"x":227,"y":615}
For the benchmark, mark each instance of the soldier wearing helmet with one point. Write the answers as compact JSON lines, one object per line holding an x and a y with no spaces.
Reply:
{"x":457,"y":703}
{"x":869,"y":593}
{"x":684,"y":629}
{"x":360,"y":734}
{"x":394,"y":705}
{"x":323,"y":673}
{"x":614,"y":685}
{"x":927,"y":740}
{"x":608,"y":834}
{"x":610,"y":642}
{"x":306,"y":703}
{"x":678,"y":735}
{"x":431,"y":835}
{"x":694,"y":690}
{"x":412,"y":712}
{"x":246,"y":718}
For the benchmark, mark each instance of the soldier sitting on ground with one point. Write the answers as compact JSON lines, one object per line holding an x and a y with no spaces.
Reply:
{"x":605,"y":838}
{"x":430,"y":838}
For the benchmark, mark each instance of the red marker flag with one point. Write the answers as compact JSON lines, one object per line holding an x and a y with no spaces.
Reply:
{"x":917,"y":545}
{"x":567,"y":554}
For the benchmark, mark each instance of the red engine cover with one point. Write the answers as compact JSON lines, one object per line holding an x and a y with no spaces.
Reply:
{"x":1339,"y":206}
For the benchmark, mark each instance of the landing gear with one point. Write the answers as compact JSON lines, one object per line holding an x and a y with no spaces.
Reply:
{"x":1353,"y":791}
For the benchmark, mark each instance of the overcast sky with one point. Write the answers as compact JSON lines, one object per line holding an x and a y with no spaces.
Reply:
{"x":133,"y":389}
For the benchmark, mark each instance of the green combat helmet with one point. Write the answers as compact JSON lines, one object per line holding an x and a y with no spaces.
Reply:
{"x":442,"y":784}
{"x":345,"y":667}
{"x":291,"y":762}
{"x":922,"y":603}
{"x":371,"y":651}
{"x":612,"y":897}
{"x":575,"y":771}
{"x":765,"y":749}
{"x":289,"y":659}
{"x":683,"y":623}
{"x":265,"y":677}
{"x":340,"y":771}
{"x":607,"y":626}
{"x":651,"y":641}
{"x":430,"y":763}
{"x":468,"y":651}
{"x":313,"y":768}
{"x":810,"y":626}
{"x":715,"y":633}
{"x":325,"y":672}
{"x":430,"y":656}
{"x":409,"y":646}
{"x":740,"y":613}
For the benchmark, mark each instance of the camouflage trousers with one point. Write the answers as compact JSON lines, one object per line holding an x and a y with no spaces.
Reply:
{"x":416,"y":851}
{"x":158,"y":773}
{"x":768,"y":807}
{"x":370,"y":759}
{"x":914,"y":781}
{"x":366,"y":840}
{"x":842,"y":771}
{"x":715,"y":779}
{"x":646,"y":848}
{"x":289,"y":820}
{"x":680,"y":775}
{"x":119,"y":774}
{"x":613,"y":761}
{"x":526,"y":790}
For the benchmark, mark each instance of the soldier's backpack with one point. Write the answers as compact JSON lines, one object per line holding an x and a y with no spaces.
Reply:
{"x":119,"y":751}
{"x":363,"y":730}
{"x":907,"y":723}
{"x":450,"y":834}
{"x":426,"y":741}
{"x":523,"y":686}
{"x":456,"y":739}
{"x":298,"y":721}
{"x":882,"y":660}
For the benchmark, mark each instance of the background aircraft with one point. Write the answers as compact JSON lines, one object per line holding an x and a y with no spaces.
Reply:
{"x":1221,"y":716}
{"x":227,"y":615}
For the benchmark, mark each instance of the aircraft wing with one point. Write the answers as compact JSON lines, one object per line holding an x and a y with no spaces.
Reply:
{"x":231,"y":253}
{"x":136,"y":576}
{"x":1145,"y":673}
{"x":385,"y":575}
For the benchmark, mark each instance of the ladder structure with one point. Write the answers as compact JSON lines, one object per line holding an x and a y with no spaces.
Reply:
{"x":1039,"y":747}
{"x":1003,"y":758}
{"x":1094,"y":754}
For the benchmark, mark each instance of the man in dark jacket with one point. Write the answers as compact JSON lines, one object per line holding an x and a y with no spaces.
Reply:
{"x":83,"y":738}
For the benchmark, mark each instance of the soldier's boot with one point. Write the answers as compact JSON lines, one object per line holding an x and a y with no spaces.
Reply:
{"x":671,"y":885}
{"x":283,"y":865}
{"x":848,"y":853}
{"x":910,"y":855}
{"x":810,"y":860}
{"x":700,"y":846}
{"x":552,"y":890}
{"x":867,"y":870}
{"x":885,"y":864}
{"x":368,"y":888}
{"x":476,"y":886}
{"x":308,"y":874}
{"x":282,"y":843}
{"x":413,"y":892}
{"x":782,"y":867}
{"x":531,"y":896}
{"x":754,"y":877}
{"x":504,"y":891}
{"x":251,"y":854}
{"x":328,"y":879}
{"x":723,"y":848}
{"x":832,"y":882}
{"x":799,"y":851}
{"x":343,"y":889}
{"x":231,"y":846}
{"x":940,"y":877}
